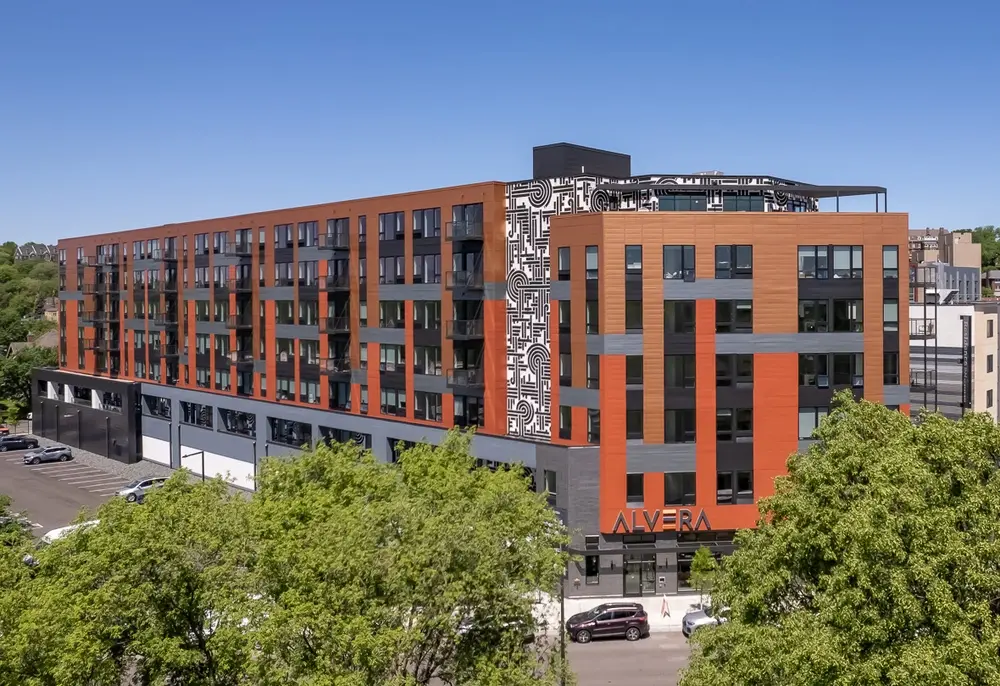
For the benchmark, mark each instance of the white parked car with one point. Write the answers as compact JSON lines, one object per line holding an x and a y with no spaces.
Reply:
{"x":706,"y":616}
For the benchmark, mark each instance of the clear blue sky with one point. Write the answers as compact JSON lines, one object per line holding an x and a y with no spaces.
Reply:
{"x":117,"y":115}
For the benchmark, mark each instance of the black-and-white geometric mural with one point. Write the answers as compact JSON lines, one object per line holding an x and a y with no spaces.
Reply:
{"x":530,"y":207}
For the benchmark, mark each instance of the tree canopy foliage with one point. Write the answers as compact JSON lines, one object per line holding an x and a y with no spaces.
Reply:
{"x":24,"y":285}
{"x":987,"y":236}
{"x":339,"y":570}
{"x":877,"y":561}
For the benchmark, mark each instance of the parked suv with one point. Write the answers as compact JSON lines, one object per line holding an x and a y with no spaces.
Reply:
{"x":707,"y":616}
{"x":17,"y":442}
{"x":609,"y":620}
{"x":137,"y":490}
{"x":55,"y":453}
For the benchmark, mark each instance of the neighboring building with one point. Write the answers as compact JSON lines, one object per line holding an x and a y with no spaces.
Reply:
{"x":35,"y":251}
{"x":941,"y":245}
{"x":49,"y":339}
{"x":651,"y":348}
{"x":50,"y":309}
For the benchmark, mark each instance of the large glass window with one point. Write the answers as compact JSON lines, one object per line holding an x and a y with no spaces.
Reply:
{"x":734,"y":370}
{"x":814,"y":316}
{"x":427,"y":223}
{"x":890,"y":315}
{"x":809,"y":419}
{"x":678,"y":316}
{"x":848,"y":316}
{"x":848,"y":262}
{"x":564,"y":264}
{"x":678,"y":262}
{"x":679,"y":488}
{"x":197,"y":414}
{"x":288,"y":432}
{"x":679,"y":371}
{"x":592,"y":262}
{"x":679,"y":426}
{"x":890,"y":262}
{"x":733,"y":424}
{"x":734,"y":316}
{"x":633,"y":259}
{"x":734,"y":261}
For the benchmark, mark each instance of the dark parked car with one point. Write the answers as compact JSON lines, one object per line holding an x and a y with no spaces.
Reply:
{"x":609,"y":620}
{"x":54,"y":453}
{"x":17,"y":442}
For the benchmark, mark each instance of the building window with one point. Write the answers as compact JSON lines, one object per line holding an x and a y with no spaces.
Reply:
{"x":390,"y":314}
{"x":593,"y":371}
{"x":197,"y":414}
{"x":989,"y":364}
{"x":391,"y":226}
{"x":848,"y":369}
{"x":594,"y":427}
{"x":363,"y":392}
{"x":427,"y":223}
{"x":679,"y":426}
{"x":565,"y":369}
{"x":848,"y":262}
{"x":427,"y":314}
{"x":592,"y":569}
{"x":890,"y":315}
{"x":733,"y":424}
{"x":427,"y":269}
{"x":679,"y":488}
{"x":426,"y":360}
{"x":734,"y":316}
{"x":563,"y":264}
{"x":679,"y":371}
{"x":814,"y":316}
{"x":427,"y":406}
{"x":309,"y":392}
{"x":633,"y":423}
{"x":154,"y":406}
{"x":633,"y":259}
{"x":593,"y":317}
{"x":564,"y":316}
{"x":363,"y":314}
{"x":989,"y":397}
{"x":291,"y":433}
{"x":814,"y":262}
{"x":592,"y":262}
{"x":890,"y":368}
{"x":734,"y":261}
{"x":678,"y":262}
{"x":565,"y":422}
{"x":633,"y":315}
{"x":393,"y":402}
{"x":814,"y":370}
{"x":742,"y":494}
{"x":809,"y":419}
{"x":634,"y":488}
{"x":734,"y":370}
{"x":678,"y":316}
{"x":890,"y":262}
{"x":391,"y":270}
{"x":392,"y":358}
{"x":633,"y":369}
{"x":848,"y":316}
{"x":989,"y":328}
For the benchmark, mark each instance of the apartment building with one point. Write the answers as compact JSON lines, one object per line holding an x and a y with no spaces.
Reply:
{"x":616,"y":336}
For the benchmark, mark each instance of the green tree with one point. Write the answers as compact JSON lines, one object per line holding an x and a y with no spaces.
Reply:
{"x":877,"y":561}
{"x":987,"y":236}
{"x":15,"y":377}
{"x":372,"y":568}
{"x":703,"y":571}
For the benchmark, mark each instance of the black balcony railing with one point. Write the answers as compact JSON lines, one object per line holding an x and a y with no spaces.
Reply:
{"x":285,"y":281}
{"x":239,"y":357}
{"x":464,"y":329}
{"x":338,"y":282}
{"x":164,"y":254}
{"x":335,"y":365}
{"x":923,"y":380}
{"x":170,"y":350}
{"x":335,"y":241}
{"x":335,"y":325}
{"x":464,"y":279}
{"x":88,"y":344}
{"x":169,"y":286}
{"x":87,"y":316}
{"x":466,"y":378}
{"x":235,"y":321}
{"x":154,"y":287}
{"x":464,"y":231}
{"x":241,"y":285}
{"x":237,"y":249}
{"x":165,"y":318}
{"x":923,"y":328}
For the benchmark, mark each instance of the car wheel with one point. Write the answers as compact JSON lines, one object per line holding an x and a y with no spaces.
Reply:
{"x":36,"y":460}
{"x":63,"y":458}
{"x":633,"y":634}
{"x":582,"y":636}
{"x":130,"y":498}
{"x":3,"y":448}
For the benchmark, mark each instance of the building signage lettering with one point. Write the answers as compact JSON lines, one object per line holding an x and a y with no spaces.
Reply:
{"x":651,"y":521}
{"x":966,"y":362}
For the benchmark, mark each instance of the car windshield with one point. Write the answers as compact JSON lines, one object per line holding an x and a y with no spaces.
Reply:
{"x":597,"y":610}
{"x":133,"y":484}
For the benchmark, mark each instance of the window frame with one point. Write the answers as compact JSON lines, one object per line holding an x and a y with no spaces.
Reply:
{"x":635,"y":487}
{"x":686,"y":253}
{"x":733,"y":323}
{"x":731,"y":424}
{"x":688,"y":492}
{"x":728,"y":261}
{"x":687,"y":366}
{"x":682,"y":434}
{"x":633,"y":267}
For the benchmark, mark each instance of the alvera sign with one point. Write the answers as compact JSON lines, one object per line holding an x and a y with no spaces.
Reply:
{"x":651,"y":521}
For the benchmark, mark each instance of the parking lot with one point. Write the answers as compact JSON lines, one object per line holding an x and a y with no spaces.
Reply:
{"x":52,"y":494}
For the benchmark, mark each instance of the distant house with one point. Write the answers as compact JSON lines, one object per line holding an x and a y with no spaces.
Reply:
{"x":36,"y":251}
{"x":49,"y":339}
{"x":50,"y":309}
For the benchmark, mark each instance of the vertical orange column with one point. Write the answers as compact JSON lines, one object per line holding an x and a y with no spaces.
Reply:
{"x":324,"y":348}
{"x":705,"y":440}
{"x":775,"y":418}
{"x":612,"y":461}
{"x":410,"y":356}
{"x":271,"y":351}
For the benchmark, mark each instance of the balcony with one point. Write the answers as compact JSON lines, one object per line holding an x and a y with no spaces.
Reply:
{"x":466,"y":378}
{"x":87,"y":317}
{"x":220,"y":287}
{"x":165,"y":319}
{"x":154,"y":287}
{"x":464,"y":231}
{"x":107,"y":261}
{"x":105,"y":316}
{"x":923,"y":380}
{"x":242,"y":359}
{"x":237,"y":249}
{"x":335,"y":365}
{"x":235,"y":321}
{"x":337,"y":282}
{"x":923,"y":328}
{"x":164,"y":255}
{"x":335,"y":241}
{"x":335,"y":325}
{"x":464,"y":329}
{"x":170,"y":350}
{"x":241,"y":285}
{"x":465,"y":279}
{"x":97,"y":288}
{"x":88,"y":344}
{"x":169,"y":286}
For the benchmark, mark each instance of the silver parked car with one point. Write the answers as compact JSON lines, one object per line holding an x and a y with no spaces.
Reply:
{"x":706,"y":616}
{"x":55,"y":453}
{"x":134,"y":492}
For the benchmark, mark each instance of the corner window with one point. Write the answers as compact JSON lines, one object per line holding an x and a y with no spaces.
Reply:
{"x":592,"y":263}
{"x":633,"y":259}
{"x":890,"y":262}
{"x":634,"y":488}
{"x":734,"y":261}
{"x":678,"y":262}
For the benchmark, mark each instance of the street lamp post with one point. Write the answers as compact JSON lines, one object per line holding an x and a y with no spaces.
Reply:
{"x":562,"y":629}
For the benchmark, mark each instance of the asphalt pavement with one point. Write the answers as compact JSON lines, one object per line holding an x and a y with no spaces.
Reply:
{"x":53,"y":494}
{"x":654,"y":660}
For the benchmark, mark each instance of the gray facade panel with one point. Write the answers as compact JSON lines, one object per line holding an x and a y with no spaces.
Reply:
{"x":218,"y":328}
{"x":277,"y":293}
{"x":197,"y":294}
{"x":495,"y":290}
{"x":580,"y":397}
{"x":583,"y":504}
{"x":314,"y":253}
{"x":71,"y":295}
{"x":409,"y":291}
{"x":219,"y":442}
{"x":720,"y":289}
{"x":427,"y":383}
{"x":896,"y":395}
{"x":615,"y":344}
{"x":260,"y":366}
{"x":667,"y":458}
{"x":137,"y":324}
{"x":303,"y":331}
{"x":559,"y":290}
{"x":368,"y":334}
{"x":734,"y":343}
{"x":805,"y":444}
{"x":154,"y":427}
{"x":359,"y":376}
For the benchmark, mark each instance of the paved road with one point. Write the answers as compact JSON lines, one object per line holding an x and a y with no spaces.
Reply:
{"x":51,"y":495}
{"x":654,"y":660}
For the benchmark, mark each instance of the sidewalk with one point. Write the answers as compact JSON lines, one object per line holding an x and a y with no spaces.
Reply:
{"x":665,"y":612}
